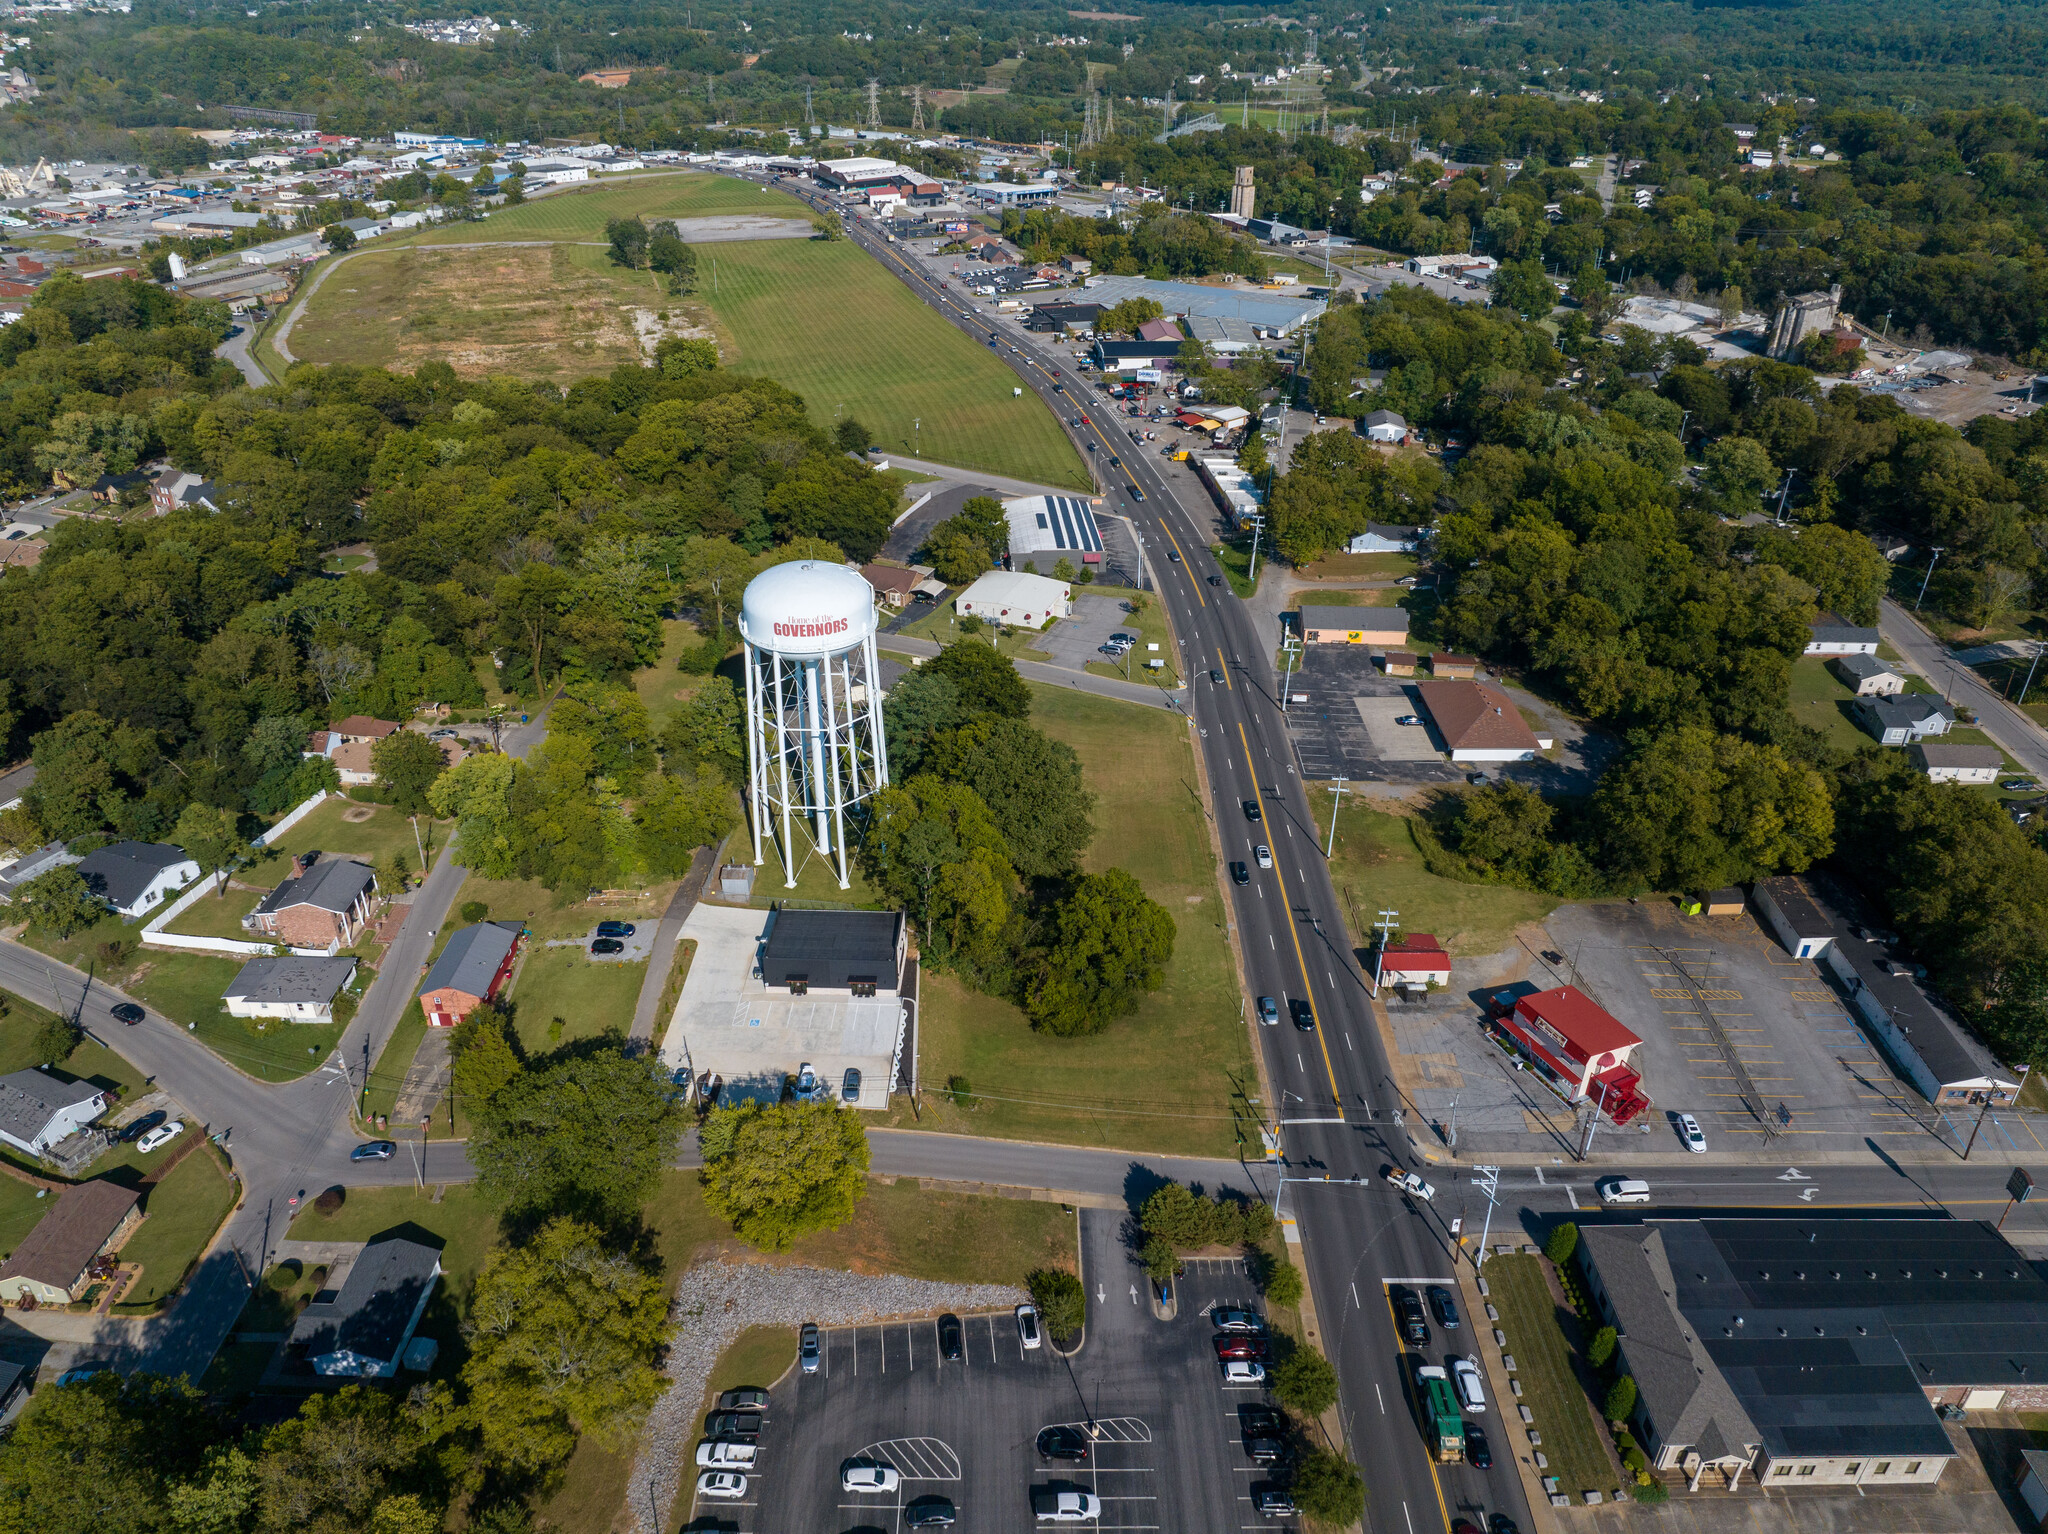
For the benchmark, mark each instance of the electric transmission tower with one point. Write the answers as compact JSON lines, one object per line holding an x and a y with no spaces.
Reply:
{"x":874,"y":103}
{"x":1088,"y":123}
{"x":809,"y":120}
{"x":917,"y":109}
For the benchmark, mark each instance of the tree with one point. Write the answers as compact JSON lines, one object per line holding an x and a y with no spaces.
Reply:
{"x":100,"y":1456}
{"x":1062,"y":1302}
{"x":1739,"y":471}
{"x":1601,"y":1348}
{"x":211,"y":837}
{"x":684,"y":357}
{"x":486,"y":1055}
{"x":1284,"y":1285}
{"x":629,"y":239}
{"x":1109,"y":944}
{"x":957,"y":557}
{"x":1621,"y":1399}
{"x":667,"y":254}
{"x":828,"y":226}
{"x":1521,"y":286}
{"x":530,"y":606}
{"x":587,"y":1136}
{"x":1306,"y":1381}
{"x":712,"y":573}
{"x":1329,"y":1489}
{"x":338,"y":237}
{"x":987,"y":680}
{"x":1124,"y":318}
{"x":1562,"y":1242}
{"x":326,"y":1470}
{"x":677,"y":815}
{"x":219,"y":1499}
{"x":1847,"y":573}
{"x":58,"y":902}
{"x":921,"y":706}
{"x":564,"y":1335}
{"x":1159,"y":1260}
{"x":1031,"y":784}
{"x":407,"y":764}
{"x":1596,"y":297}
{"x":74,"y":775}
{"x":477,"y":795}
{"x":852,"y":437}
{"x":781,"y":1171}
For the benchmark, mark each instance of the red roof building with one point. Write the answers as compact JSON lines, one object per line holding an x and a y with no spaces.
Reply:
{"x":1580,"y":1049}
{"x":1416,"y":959}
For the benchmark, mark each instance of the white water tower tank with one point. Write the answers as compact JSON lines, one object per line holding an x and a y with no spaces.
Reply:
{"x":814,"y":709}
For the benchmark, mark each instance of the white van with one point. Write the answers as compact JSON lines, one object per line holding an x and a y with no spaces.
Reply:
{"x":1623,"y":1190}
{"x":1470,"y":1391}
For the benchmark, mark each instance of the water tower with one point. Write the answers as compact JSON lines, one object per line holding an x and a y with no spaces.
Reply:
{"x":814,"y":707}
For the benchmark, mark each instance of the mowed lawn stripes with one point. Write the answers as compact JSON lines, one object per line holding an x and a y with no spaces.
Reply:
{"x":581,"y":215}
{"x":826,"y":320}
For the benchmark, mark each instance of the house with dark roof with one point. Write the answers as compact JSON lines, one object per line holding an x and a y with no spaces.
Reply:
{"x":1867,"y":676}
{"x":32,"y":864}
{"x":1579,"y":1048}
{"x":1902,"y":720}
{"x":1388,"y":426}
{"x":475,"y":964}
{"x":53,"y":1265}
{"x":362,"y":1332}
{"x":1477,"y":722}
{"x":37,"y":1109}
{"x":325,"y":906}
{"x":1829,"y":635}
{"x":1385,"y":538}
{"x":298,"y":990}
{"x":857,"y":952}
{"x":1957,"y":764}
{"x":134,"y":877}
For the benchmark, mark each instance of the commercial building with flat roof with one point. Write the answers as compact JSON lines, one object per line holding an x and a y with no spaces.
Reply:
{"x":1354,"y":625}
{"x":859,"y":952}
{"x":1271,"y":312}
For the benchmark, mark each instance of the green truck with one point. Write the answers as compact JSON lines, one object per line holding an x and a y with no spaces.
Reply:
{"x":1441,"y":1418}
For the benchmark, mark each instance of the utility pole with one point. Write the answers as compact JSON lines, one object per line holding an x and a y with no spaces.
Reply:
{"x":874,"y":103}
{"x":917,"y":108}
{"x":1783,"y":492}
{"x":1586,"y":1146}
{"x":1386,"y":926}
{"x":1291,"y":647}
{"x":1488,"y":1182}
{"x":1928,"y":577}
{"x":1258,"y":526}
{"x":1331,"y":851}
{"x":2039,"y":645}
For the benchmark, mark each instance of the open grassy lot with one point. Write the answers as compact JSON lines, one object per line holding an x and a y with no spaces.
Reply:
{"x":181,"y":1213}
{"x":582,"y":214}
{"x":20,"y":1208}
{"x":217,"y":915}
{"x":1172,"y":1077}
{"x":587,"y":996}
{"x":1544,"y":1364}
{"x":329,"y":830}
{"x":941,"y":625}
{"x":551,"y":916}
{"x":1363,"y":567}
{"x":661,"y":687}
{"x":825,"y":319}
{"x":388,"y":1074}
{"x":1821,"y":702}
{"x":1378,"y":864}
{"x":1235,"y":559}
{"x":20,"y":1021}
{"x":1377,"y":596}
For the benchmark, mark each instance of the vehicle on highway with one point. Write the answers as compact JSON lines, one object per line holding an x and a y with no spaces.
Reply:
{"x":1115,"y":462}
{"x":807,"y":1347}
{"x":142,"y":1126}
{"x":615,"y":929}
{"x":861,"y":1475}
{"x":1053,"y":1505}
{"x":160,"y":1136}
{"x":1263,"y":855}
{"x":718,"y":1454}
{"x":127,"y":1012}
{"x":1441,"y":1418}
{"x":1414,"y":1324}
{"x":604,"y":945}
{"x":1274,"y":1500}
{"x":1623,"y":1190}
{"x":1242,"y":1371}
{"x":739,"y":1426}
{"x":1269,"y":1010}
{"x":722,"y":1485}
{"x":1173,"y":556}
{"x":1408,"y":719}
{"x":1477,"y":1453}
{"x":1501,"y":1523}
{"x":1027,"y":1325}
{"x":950,"y":1337}
{"x":1409,"y":1182}
{"x":1215,"y":676}
{"x":1063,"y":1443}
{"x":1137,"y":493}
{"x":1215,"y":580}
{"x":1091,"y":447}
{"x":1251,"y":809}
{"x":749,"y":1398}
{"x":1689,"y":1132}
{"x":1229,"y":1319}
{"x":933,"y":1512}
{"x":1074,"y":421}
{"x":1444,"y":1307}
{"x":1239,"y":874}
{"x":1303,"y":1014}
{"x":375,"y":1150}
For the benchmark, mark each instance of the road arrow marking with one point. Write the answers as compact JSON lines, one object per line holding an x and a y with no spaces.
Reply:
{"x":1134,"y":1294}
{"x":1806,"y":1195}
{"x":1793,"y":1174}
{"x":1100,"y":1297}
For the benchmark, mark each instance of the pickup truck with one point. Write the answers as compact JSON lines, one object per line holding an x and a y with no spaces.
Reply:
{"x":1408,"y":1182}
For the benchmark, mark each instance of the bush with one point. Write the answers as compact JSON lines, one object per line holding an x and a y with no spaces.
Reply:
{"x":1562,"y":1243}
{"x":329,"y":1202}
{"x":1284,"y":1284}
{"x":1062,"y":1302}
{"x":474,"y":911}
{"x":55,"y":1040}
{"x":703,"y":657}
{"x":1329,"y":1489}
{"x":1601,"y":1350}
{"x":1649,"y":1489}
{"x":1636,"y":1460}
{"x":1621,"y":1399}
{"x":961,"y":1090}
{"x":1306,"y":1381}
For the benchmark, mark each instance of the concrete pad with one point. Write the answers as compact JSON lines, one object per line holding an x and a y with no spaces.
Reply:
{"x":1073,"y":642}
{"x":1398,"y":742}
{"x":726,"y":1021}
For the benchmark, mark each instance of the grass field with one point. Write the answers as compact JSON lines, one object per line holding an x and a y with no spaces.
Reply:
{"x":587,"y":996}
{"x":217,"y":915}
{"x":328,"y":830}
{"x":1363,"y":567}
{"x":1172,"y":1077}
{"x":181,"y":1213}
{"x":1551,"y":1389}
{"x":1821,"y":702}
{"x":582,"y":214}
{"x":20,"y":1209}
{"x":19,"y":1022}
{"x":1378,"y":865}
{"x":1235,"y":559}
{"x":661,"y":687}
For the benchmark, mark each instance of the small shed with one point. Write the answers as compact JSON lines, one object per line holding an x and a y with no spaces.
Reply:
{"x":1723,"y":902}
{"x":1400,"y":662}
{"x":1456,"y":668}
{"x":1794,"y":915}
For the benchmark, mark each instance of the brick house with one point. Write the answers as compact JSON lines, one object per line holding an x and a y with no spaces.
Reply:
{"x":53,"y":1265}
{"x":325,"y":905}
{"x":472,"y":968}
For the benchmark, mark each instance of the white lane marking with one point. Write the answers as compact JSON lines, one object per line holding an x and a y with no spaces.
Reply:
{"x":1354,"y":1298}
{"x":1411,"y":1521}
{"x":1380,"y":1398}
{"x":1347,"y":1041}
{"x":1297,"y":1062}
{"x":882,"y":1341}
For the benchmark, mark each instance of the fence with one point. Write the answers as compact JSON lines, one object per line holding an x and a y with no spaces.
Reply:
{"x":153,"y":935}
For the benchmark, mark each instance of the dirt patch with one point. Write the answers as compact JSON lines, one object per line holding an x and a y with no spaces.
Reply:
{"x":357,"y":814}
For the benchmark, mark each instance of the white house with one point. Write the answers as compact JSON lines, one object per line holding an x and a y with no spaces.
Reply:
{"x":37,"y":1110}
{"x":133,"y":877}
{"x":1385,"y":426}
{"x":1958,"y":764}
{"x":1829,"y":635}
{"x":1381,"y":538}
{"x":298,"y":990}
{"x":1013,"y":597}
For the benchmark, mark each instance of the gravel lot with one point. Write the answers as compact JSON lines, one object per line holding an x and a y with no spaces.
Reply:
{"x":716,"y":1301}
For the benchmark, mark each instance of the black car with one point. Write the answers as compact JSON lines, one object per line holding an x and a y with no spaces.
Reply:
{"x":1264,"y":1431}
{"x":1476,"y":1451}
{"x":374,"y":1150}
{"x":606,"y":945}
{"x":127,"y":1012}
{"x":950,"y":1335}
{"x":1065,"y":1443}
{"x":1263,"y":1450}
{"x":143,"y":1125}
{"x":1215,"y":580}
{"x":1446,"y":1309}
{"x":1273,"y":1500}
{"x":929,"y":1513}
{"x":1303,"y":1014}
{"x":615,"y":929}
{"x":1501,"y":1523}
{"x":849,"y":1085}
{"x":1251,"y":810}
{"x":742,"y":1425}
{"x":1239,"y":874}
{"x":1216,"y":676}
{"x":1414,"y":1327}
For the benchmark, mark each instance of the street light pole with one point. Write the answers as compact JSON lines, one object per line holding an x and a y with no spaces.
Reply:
{"x":1928,"y":577}
{"x":1258,"y":526}
{"x":1388,"y":921}
{"x":2039,"y":645}
{"x":1291,"y":647}
{"x":1488,"y":1182}
{"x":1331,"y":851}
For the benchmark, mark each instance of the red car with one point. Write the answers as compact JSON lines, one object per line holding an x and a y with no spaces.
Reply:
{"x":1250,"y":1349}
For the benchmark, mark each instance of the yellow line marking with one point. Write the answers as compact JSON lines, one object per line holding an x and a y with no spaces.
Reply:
{"x":1223,"y":666}
{"x":1427,"y":1458}
{"x":1191,"y":574}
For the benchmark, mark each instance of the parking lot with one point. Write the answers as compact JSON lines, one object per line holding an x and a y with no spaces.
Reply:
{"x":1165,"y":1450}
{"x":1333,"y":734}
{"x":1074,"y":642}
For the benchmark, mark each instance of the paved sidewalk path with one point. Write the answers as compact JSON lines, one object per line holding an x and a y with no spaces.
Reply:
{"x":703,"y":864}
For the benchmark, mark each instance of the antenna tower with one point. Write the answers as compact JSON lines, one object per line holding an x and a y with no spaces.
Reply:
{"x":917,"y":108}
{"x":874,"y":103}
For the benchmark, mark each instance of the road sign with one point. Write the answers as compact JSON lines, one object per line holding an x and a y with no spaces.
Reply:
{"x":2020,"y":1185}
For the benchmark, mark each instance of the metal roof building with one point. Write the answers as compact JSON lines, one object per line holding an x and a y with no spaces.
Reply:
{"x":1267,"y":311}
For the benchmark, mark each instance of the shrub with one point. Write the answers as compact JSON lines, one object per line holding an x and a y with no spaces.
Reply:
{"x":1649,"y":1489}
{"x":703,"y":658}
{"x":1306,"y":1381}
{"x":1562,"y":1243}
{"x":329,"y":1202}
{"x":1062,"y":1302}
{"x":1158,"y":1260}
{"x":1621,"y":1399}
{"x":1284,"y":1284}
{"x":284,"y":1276}
{"x":474,"y":911}
{"x":1601,"y":1350}
{"x":961,"y":1090}
{"x":1636,"y":1460}
{"x":1328,"y":1489}
{"x":318,"y":1278}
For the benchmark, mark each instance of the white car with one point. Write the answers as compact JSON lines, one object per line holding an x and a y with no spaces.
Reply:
{"x":1263,"y":855}
{"x":1240,"y":1371}
{"x":862,"y":1476}
{"x":1066,"y":1506}
{"x":1409,"y":1182}
{"x":724,"y":1485}
{"x":160,"y":1136}
{"x":717,"y":1454}
{"x":1623,"y":1190}
{"x":1027,"y":1325}
{"x":1470,"y":1391}
{"x":1689,"y":1131}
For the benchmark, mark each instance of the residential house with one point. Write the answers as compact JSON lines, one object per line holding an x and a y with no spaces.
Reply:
{"x":1829,"y":635}
{"x":859,"y":953}
{"x":1867,"y":676}
{"x":37,"y":1109}
{"x":1382,"y":626}
{"x":1017,"y":598}
{"x":21,"y":554}
{"x":360,"y":727}
{"x":1580,"y":1050}
{"x":54,"y":1263}
{"x":352,"y":763}
{"x":1415,"y":958}
{"x":1385,"y":426}
{"x":1902,"y":720}
{"x":1477,"y":722}
{"x":108,"y":487}
{"x":475,"y":964}
{"x":175,"y":488}
{"x":1381,"y":538}
{"x":363,"y":1331}
{"x":1454,"y":668}
{"x":324,"y":905}
{"x":1079,"y":266}
{"x":893,"y":583}
{"x":297,"y":990}
{"x":1891,"y":546}
{"x":32,"y":864}
{"x":133,"y":877}
{"x":1958,"y":764}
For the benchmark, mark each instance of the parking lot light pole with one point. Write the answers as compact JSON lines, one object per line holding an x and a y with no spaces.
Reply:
{"x":1290,"y":647}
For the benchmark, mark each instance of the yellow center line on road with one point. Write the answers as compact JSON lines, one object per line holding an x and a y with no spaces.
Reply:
{"x":1223,"y":666}
{"x":1428,"y":1459}
{"x":1287,"y":904}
